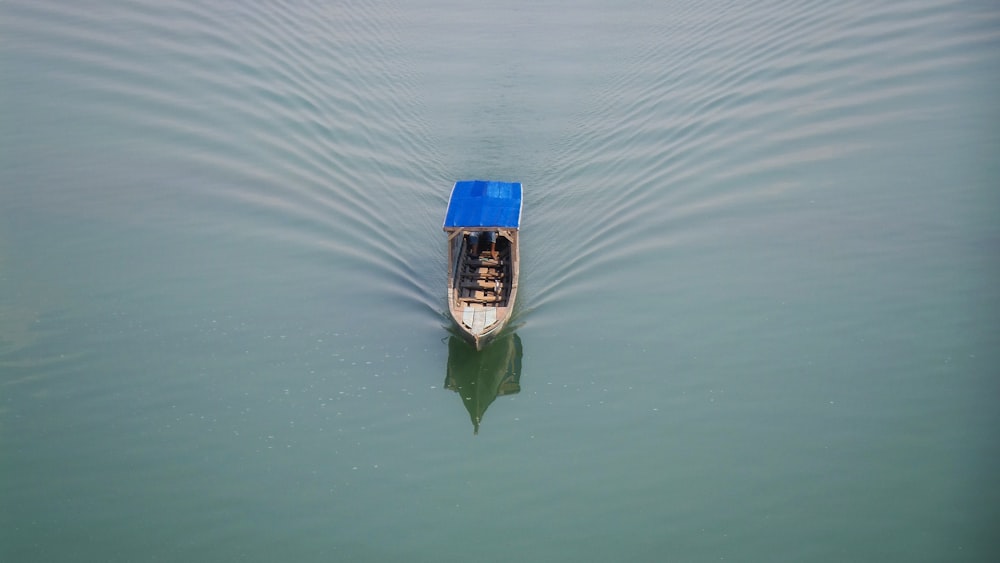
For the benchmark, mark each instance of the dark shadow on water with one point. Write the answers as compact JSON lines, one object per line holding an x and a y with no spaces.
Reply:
{"x":480,"y":377}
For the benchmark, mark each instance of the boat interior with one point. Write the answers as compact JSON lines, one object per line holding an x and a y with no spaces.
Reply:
{"x":482,"y":280}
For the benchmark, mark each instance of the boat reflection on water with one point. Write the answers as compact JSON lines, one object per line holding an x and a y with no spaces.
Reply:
{"x":481,"y":377}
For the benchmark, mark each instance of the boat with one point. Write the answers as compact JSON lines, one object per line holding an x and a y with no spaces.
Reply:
{"x":482,"y":277}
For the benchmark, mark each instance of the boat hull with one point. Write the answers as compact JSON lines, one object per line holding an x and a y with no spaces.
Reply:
{"x":482,"y":285}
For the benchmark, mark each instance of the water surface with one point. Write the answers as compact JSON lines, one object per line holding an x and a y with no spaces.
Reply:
{"x":758,"y":317}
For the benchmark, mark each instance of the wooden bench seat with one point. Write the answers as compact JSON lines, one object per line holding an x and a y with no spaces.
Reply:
{"x":488,"y":299}
{"x":474,"y":285}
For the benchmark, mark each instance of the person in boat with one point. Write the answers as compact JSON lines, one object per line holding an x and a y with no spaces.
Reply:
{"x":486,"y":236}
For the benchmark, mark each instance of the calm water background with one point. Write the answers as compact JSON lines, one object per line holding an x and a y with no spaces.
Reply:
{"x":759,"y":308}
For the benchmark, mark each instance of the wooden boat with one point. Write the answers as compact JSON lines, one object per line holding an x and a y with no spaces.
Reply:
{"x":482,"y":279}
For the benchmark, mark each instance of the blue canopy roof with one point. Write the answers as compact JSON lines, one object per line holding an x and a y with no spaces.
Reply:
{"x":479,"y":203}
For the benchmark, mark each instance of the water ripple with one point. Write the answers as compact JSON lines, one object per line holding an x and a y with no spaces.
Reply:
{"x":305,"y":121}
{"x":719,"y":109}
{"x":300,"y":122}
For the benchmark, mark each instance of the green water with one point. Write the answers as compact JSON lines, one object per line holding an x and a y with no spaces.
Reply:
{"x":758,"y":315}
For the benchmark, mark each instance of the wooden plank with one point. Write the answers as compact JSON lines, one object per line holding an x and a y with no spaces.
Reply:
{"x":478,"y":322}
{"x":492,"y":299}
{"x":488,"y":287}
{"x":480,"y":273}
